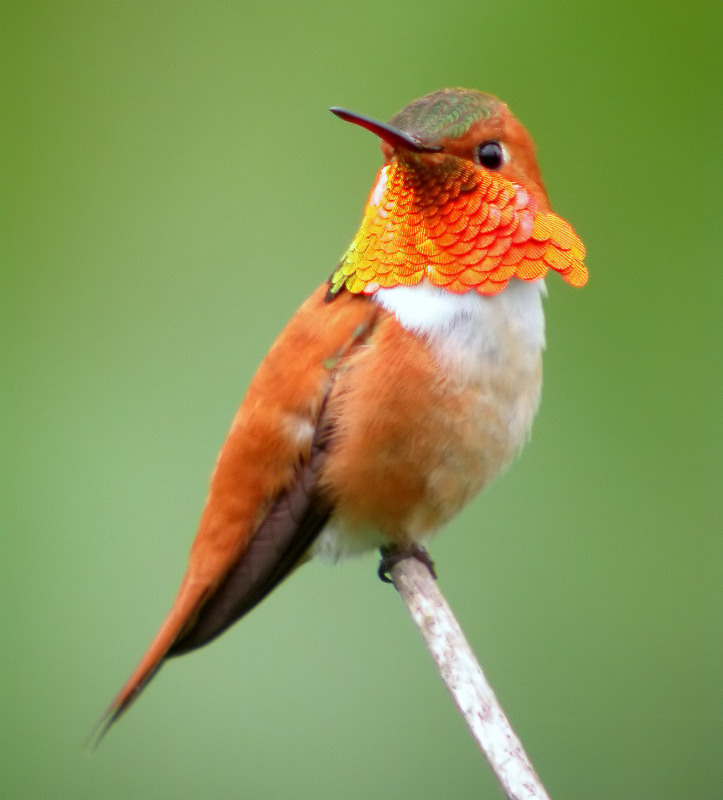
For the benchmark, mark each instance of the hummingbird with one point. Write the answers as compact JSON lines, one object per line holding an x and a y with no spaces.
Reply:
{"x":401,"y":386}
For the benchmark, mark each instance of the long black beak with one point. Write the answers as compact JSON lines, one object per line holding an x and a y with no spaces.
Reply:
{"x":389,"y":134}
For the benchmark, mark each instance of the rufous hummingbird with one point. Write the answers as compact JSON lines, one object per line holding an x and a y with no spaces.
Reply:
{"x":402,"y":386}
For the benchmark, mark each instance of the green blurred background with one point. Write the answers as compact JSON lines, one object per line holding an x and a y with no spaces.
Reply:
{"x":173,"y":187}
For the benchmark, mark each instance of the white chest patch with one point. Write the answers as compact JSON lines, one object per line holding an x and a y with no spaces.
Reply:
{"x":472,"y":331}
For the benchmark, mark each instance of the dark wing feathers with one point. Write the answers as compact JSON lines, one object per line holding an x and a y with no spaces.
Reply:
{"x":278,"y":545}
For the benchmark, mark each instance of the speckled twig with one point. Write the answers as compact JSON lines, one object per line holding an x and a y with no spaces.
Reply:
{"x":466,"y":682}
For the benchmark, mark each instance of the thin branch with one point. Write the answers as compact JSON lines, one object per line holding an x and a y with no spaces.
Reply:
{"x":465,"y":681}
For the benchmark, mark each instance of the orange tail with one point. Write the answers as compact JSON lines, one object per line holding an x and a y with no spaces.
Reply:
{"x":189,"y":600}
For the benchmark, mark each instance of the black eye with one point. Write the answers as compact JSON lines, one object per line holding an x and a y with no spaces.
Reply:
{"x":491,"y":155}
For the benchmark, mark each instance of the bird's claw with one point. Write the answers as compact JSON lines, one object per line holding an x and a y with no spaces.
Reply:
{"x":392,"y":555}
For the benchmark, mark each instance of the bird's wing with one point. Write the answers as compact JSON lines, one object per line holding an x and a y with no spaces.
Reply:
{"x":277,"y":546}
{"x":262,"y":510}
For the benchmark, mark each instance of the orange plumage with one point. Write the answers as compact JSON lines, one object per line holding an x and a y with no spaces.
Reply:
{"x":457,"y":227}
{"x":402,"y":386}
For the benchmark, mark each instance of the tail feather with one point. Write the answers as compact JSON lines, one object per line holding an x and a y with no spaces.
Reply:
{"x":189,"y":600}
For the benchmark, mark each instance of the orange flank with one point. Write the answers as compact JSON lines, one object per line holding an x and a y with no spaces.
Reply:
{"x":270,"y":436}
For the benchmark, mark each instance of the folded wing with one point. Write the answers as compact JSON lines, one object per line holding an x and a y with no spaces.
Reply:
{"x":264,"y":507}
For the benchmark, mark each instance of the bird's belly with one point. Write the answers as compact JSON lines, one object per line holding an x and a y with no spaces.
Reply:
{"x":420,"y":430}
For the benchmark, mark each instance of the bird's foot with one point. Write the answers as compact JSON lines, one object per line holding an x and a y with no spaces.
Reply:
{"x":392,"y":554}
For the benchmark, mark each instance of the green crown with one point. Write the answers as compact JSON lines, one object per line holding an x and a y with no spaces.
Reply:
{"x":445,"y":114}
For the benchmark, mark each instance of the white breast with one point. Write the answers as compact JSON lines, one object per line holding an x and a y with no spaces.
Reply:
{"x":470,"y":331}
